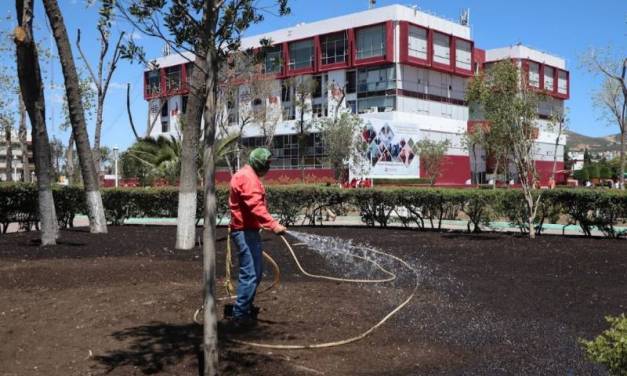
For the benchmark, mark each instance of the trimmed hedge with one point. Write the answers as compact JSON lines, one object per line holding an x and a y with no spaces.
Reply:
{"x":381,"y":207}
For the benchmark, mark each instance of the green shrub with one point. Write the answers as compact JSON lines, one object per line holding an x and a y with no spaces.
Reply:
{"x":605,"y":172}
{"x":582,"y":175}
{"x":306,"y":204}
{"x":594,"y":171}
{"x":610,"y":347}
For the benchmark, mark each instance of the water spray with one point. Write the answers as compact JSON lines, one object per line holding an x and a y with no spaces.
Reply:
{"x":307,"y":241}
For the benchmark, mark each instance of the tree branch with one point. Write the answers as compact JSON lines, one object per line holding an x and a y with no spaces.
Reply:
{"x":112,"y":64}
{"x":80,"y":51}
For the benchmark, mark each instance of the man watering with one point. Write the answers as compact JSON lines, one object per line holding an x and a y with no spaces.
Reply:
{"x":249,"y":214}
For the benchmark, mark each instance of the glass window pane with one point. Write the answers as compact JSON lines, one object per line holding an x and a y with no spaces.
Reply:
{"x":463,"y":55}
{"x":301,"y":54}
{"x":417,"y":43}
{"x":272,"y":60}
{"x":371,"y":42}
{"x":548,"y":78}
{"x":534,"y":74}
{"x":562,"y":82}
{"x":334,"y":48}
{"x":441,"y":48}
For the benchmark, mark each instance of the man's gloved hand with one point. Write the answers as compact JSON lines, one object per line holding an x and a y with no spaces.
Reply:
{"x":279,"y":230}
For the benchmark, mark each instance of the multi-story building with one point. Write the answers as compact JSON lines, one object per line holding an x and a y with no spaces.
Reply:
{"x":403,"y":71}
{"x":17,"y":169}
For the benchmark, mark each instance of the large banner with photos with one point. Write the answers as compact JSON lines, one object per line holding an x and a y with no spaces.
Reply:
{"x":391,"y":150}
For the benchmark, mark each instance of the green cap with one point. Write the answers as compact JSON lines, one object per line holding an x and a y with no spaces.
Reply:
{"x":259,"y":159}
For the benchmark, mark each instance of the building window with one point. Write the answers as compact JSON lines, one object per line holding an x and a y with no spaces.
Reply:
{"x":562,"y":82}
{"x":371,"y":42}
{"x":441,"y":48}
{"x":352,"y":105}
{"x":549,"y":82}
{"x":376,"y":104}
{"x":301,"y":54}
{"x":288,"y":112}
{"x":417,"y":43}
{"x":319,"y":110}
{"x":534,"y":74}
{"x":173,"y":78}
{"x":286,"y":92}
{"x":154,"y":83}
{"x":165,"y":126}
{"x":463,"y":54}
{"x":184,"y":104}
{"x":376,"y":79}
{"x":164,"y":109}
{"x":351,"y":82}
{"x":334,"y":48}
{"x":317,"y":87}
{"x":287,"y":154}
{"x":257,"y":102}
{"x":272,"y":60}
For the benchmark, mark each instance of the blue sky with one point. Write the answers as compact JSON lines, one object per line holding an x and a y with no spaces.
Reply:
{"x":563,"y":28}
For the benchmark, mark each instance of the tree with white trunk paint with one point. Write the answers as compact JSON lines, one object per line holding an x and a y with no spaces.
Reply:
{"x":31,"y":87}
{"x":95,"y":209}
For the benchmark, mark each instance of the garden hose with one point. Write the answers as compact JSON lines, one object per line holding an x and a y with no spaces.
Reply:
{"x":391,"y":277}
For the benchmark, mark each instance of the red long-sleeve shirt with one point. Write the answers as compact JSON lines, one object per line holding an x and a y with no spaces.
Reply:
{"x":247,"y":201}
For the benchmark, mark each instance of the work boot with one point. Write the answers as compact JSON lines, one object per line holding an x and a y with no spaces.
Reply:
{"x":254,"y":312}
{"x":241,"y":324}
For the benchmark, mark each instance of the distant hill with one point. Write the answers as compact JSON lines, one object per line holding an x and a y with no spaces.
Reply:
{"x":579,"y":142}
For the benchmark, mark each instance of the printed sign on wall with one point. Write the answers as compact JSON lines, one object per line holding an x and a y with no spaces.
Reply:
{"x":391,"y":149}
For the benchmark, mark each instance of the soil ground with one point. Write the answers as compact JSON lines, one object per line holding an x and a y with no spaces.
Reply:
{"x":487,"y":304}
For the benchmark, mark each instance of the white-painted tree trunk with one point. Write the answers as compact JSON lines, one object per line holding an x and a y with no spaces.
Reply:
{"x":47,"y":218}
{"x":96,"y":213}
{"x":186,"y":222}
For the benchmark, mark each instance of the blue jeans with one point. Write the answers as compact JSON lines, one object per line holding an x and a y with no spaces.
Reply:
{"x":250,"y":270}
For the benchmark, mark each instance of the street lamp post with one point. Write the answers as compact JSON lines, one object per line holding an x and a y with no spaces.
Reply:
{"x":115,"y":158}
{"x":15,"y":178}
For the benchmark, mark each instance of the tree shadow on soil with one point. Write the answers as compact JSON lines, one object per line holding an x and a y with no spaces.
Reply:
{"x":153,"y":347}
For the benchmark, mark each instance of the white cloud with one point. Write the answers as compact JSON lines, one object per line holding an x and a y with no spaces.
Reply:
{"x":117,"y":86}
{"x":135,"y":35}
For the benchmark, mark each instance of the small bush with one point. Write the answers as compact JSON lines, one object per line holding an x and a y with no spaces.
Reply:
{"x":610,"y":347}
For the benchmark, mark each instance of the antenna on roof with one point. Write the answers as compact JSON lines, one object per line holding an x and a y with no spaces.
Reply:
{"x":373,"y":3}
{"x":464,"y":18}
{"x":166,"y":50}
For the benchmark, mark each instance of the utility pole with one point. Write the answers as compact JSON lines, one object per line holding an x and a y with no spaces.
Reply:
{"x":115,"y":159}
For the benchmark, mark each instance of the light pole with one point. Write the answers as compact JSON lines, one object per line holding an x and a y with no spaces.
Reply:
{"x":15,"y":178}
{"x":115,"y":158}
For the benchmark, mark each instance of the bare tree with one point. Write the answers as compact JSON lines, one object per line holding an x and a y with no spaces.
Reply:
{"x":97,"y":220}
{"x":101,"y":79}
{"x":210,"y":29}
{"x":558,"y":122}
{"x":31,"y":87}
{"x":612,"y":97}
{"x":265,"y":109}
{"x":304,"y":87}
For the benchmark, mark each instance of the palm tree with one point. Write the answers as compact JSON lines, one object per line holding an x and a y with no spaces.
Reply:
{"x":163,"y":155}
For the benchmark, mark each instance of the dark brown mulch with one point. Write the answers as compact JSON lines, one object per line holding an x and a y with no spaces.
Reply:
{"x":488,"y":304}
